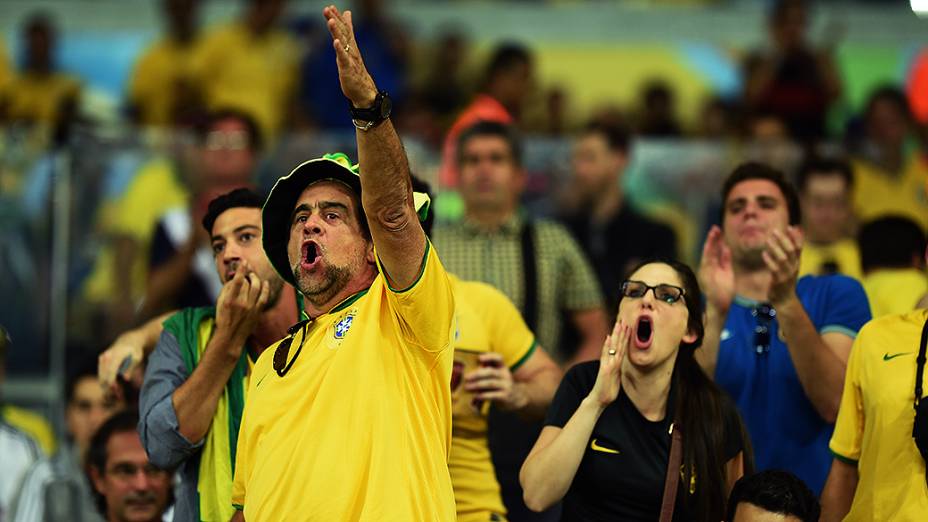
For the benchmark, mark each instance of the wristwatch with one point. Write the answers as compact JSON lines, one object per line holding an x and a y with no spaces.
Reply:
{"x":365,"y":118}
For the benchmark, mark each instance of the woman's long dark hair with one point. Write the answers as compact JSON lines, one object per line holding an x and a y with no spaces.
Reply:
{"x":699,"y":414}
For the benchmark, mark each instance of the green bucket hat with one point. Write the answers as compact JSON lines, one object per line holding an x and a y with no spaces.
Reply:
{"x":275,"y":215}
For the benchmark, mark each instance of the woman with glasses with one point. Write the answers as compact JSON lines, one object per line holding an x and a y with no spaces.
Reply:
{"x":607,"y":441}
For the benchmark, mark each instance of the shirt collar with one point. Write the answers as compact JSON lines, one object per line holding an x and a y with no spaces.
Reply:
{"x":512,"y":226}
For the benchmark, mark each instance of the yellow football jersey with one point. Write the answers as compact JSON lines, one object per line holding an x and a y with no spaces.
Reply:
{"x":359,"y":427}
{"x":874,"y":426}
{"x":486,"y":322}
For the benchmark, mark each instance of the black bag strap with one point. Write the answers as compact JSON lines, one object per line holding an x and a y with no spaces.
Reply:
{"x":920,"y":365}
{"x":529,"y":275}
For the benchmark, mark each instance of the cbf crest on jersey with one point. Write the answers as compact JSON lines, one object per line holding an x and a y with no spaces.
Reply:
{"x":341,"y":328}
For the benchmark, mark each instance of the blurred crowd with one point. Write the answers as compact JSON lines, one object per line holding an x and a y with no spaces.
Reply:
{"x":528,"y":197}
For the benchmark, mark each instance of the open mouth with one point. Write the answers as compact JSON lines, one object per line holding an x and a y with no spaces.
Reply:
{"x":311,"y":255}
{"x":644,"y":332}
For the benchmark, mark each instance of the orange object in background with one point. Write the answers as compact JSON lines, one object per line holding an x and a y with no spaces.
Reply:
{"x":917,"y":86}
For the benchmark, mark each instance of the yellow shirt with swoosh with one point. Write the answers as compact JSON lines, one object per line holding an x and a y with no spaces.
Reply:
{"x":874,"y":426}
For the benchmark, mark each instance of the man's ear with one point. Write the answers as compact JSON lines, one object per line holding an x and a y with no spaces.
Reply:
{"x":370,"y":256}
{"x":97,"y":479}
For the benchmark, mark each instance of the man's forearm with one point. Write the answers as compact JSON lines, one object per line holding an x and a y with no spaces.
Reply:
{"x":196,"y":399}
{"x":838,"y":494}
{"x":820,"y":371}
{"x":539,"y":390}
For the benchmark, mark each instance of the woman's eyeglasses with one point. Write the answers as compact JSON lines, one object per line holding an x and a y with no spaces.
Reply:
{"x":668,"y":293}
{"x":282,"y":353}
{"x":765,"y":315}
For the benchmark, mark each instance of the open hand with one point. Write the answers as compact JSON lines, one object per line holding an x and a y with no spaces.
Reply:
{"x":609,"y":380}
{"x":716,"y":274}
{"x":782,"y":259}
{"x":494,"y":382}
{"x":357,"y":84}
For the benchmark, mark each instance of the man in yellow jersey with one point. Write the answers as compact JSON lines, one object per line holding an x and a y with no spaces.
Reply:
{"x":496,"y":359}
{"x":878,"y":472}
{"x":349,"y":418}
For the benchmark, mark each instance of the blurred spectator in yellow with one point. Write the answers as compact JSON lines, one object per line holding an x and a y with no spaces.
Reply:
{"x":39,"y":95}
{"x":117,"y":283}
{"x":31,"y":424}
{"x":161,"y":89}
{"x":182,"y":271}
{"x":508,"y":80}
{"x":614,"y":236}
{"x":6,"y":71}
{"x":56,"y":488}
{"x":892,"y":251}
{"x":250,"y":65}
{"x":889,"y":172}
{"x":789,"y":77}
{"x":657,"y":117}
{"x":827,"y":217}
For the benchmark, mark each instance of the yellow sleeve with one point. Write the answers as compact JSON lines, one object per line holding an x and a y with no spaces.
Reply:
{"x":33,"y":425}
{"x":509,"y":335}
{"x":426,"y":308}
{"x":849,"y":427}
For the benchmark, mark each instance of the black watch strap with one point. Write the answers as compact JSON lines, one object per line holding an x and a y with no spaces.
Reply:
{"x":374,"y":114}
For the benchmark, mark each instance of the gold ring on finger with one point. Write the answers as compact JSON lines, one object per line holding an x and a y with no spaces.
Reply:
{"x":611,"y":352}
{"x":347,"y":48}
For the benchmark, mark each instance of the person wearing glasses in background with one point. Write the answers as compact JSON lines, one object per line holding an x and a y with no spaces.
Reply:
{"x":778,"y":344}
{"x":349,"y":417}
{"x":607,"y":444}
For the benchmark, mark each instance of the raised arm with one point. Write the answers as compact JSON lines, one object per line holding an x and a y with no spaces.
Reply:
{"x":125,"y":356}
{"x":717,"y":279}
{"x":820,"y":359}
{"x":385,"y":185}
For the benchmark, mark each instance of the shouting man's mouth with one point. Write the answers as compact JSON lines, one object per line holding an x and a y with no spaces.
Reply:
{"x":312,"y":255}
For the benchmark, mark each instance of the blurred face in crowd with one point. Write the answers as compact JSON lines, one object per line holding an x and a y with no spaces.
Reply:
{"x":490,"y":178}
{"x":658,"y":325}
{"x":180,"y":16}
{"x":826,"y":207}
{"x":753,"y":210}
{"x":263,"y":14}
{"x":40,"y":39}
{"x":788,"y":29}
{"x":596,"y":166}
{"x":887,"y":123}
{"x":514,"y":84}
{"x":227,"y":156}
{"x":134,"y":489}
{"x":236,"y":239}
{"x":88,"y":409}
{"x":327,"y":249}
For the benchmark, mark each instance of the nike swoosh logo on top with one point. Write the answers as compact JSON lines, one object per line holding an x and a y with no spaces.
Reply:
{"x":596,"y":447}
{"x":260,"y":380}
{"x":887,"y":356}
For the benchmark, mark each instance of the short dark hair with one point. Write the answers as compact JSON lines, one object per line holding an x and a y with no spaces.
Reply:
{"x":120,"y":422}
{"x":753,"y":170}
{"x":617,"y":137}
{"x":890,"y":242}
{"x":775,"y":491}
{"x":494,"y":129}
{"x":240,"y":197}
{"x":814,"y":167}
{"x":506,"y":56}
{"x":204,"y":126}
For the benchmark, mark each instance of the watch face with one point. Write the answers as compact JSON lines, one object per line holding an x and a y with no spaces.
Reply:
{"x":386,"y":106}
